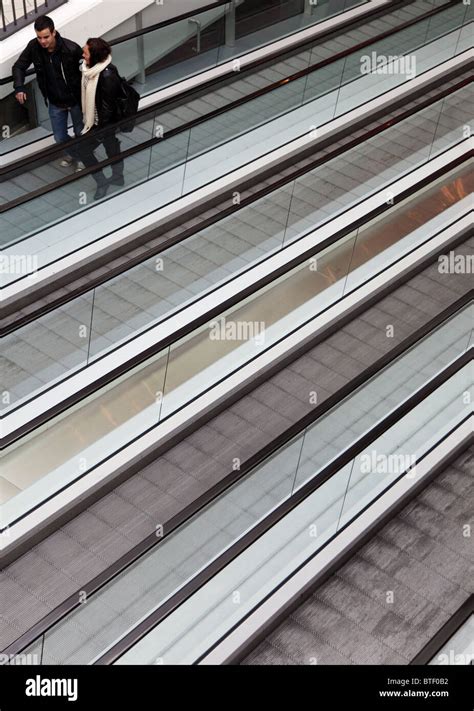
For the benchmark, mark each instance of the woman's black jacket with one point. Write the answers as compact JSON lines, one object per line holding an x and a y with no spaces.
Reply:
{"x":109,"y":89}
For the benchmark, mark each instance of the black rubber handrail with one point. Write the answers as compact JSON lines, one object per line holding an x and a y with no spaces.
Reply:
{"x":161,"y":345}
{"x":58,"y":149}
{"x":370,"y":133}
{"x":233,"y":476}
{"x":444,"y":634}
{"x":236,"y":549}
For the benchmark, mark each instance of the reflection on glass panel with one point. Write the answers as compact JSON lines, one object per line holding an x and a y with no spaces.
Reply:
{"x":319,"y":83}
{"x":236,"y":336}
{"x":182,"y":49}
{"x":350,"y":419}
{"x":211,"y":611}
{"x":389,"y":237}
{"x":165,"y":162}
{"x":71,"y":444}
{"x":42,"y":352}
{"x":151,"y":291}
{"x":397,"y":450}
{"x":396,"y":59}
{"x":460,"y":648}
{"x":146,"y":584}
{"x":229,"y":126}
{"x":169,"y":155}
{"x":55,"y":206}
{"x":448,"y":21}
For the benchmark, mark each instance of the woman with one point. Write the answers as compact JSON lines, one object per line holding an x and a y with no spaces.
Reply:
{"x":101,"y":88}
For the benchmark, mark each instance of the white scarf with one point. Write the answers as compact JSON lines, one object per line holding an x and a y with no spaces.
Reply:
{"x":90,"y":77}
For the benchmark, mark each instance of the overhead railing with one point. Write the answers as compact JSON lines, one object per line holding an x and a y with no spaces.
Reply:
{"x":15,"y":14}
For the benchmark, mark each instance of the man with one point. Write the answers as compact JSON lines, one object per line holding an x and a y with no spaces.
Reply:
{"x":56,"y":62}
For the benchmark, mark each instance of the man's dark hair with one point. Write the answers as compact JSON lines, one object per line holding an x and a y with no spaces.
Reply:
{"x":99,"y":50}
{"x":44,"y":23}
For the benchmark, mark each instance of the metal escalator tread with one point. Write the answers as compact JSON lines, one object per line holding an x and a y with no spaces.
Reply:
{"x":416,"y":575}
{"x":445,"y":531}
{"x":458,"y":482}
{"x":349,"y":617}
{"x":94,"y":539}
{"x":428,"y":549}
{"x":454,"y":509}
{"x":413,"y":607}
{"x":308,"y":643}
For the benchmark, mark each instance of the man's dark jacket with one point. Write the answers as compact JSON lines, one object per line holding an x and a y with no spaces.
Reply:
{"x":71,"y":55}
{"x":109,"y":89}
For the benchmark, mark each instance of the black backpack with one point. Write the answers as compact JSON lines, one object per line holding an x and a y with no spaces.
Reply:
{"x":127,"y":106}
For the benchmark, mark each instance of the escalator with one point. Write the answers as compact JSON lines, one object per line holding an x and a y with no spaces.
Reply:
{"x":176,"y":72}
{"x":95,"y":427}
{"x":440,"y":123}
{"x":419,"y":555}
{"x":145,"y":300}
{"x":300,"y":447}
{"x":189,"y":164}
{"x":187,"y":368}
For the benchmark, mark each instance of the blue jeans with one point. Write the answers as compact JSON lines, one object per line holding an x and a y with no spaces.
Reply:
{"x":59,"y":120}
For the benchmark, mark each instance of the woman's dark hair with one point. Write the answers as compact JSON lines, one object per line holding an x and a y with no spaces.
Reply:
{"x":44,"y":23}
{"x":99,"y":50}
